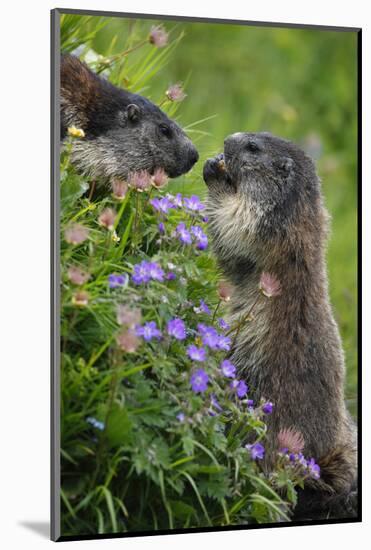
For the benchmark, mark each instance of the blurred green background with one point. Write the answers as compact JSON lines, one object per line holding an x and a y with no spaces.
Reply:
{"x":300,"y":84}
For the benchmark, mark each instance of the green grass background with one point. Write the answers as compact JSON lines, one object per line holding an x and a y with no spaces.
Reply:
{"x":297,"y":83}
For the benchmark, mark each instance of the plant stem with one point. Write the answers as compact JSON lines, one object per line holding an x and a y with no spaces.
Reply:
{"x":108,"y":62}
{"x":92,"y":189}
{"x":162,"y":102}
{"x":216,"y":311}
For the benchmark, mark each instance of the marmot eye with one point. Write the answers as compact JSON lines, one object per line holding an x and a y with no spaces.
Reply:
{"x":165,"y":130}
{"x":252,"y":146}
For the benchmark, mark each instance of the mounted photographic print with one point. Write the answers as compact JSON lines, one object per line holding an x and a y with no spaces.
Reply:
{"x":204,"y":278}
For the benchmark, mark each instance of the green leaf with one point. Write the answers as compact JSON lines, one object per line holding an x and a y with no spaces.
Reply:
{"x":199,"y":498}
{"x":111,"y":507}
{"x":118,"y":429}
{"x":72,"y":188}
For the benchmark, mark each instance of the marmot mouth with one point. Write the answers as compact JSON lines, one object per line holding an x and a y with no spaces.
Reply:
{"x":224,"y":167}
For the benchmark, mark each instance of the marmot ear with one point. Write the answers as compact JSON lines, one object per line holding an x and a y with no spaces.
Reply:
{"x":133,"y":111}
{"x":285,"y":164}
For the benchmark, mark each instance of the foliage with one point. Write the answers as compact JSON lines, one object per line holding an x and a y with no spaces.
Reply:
{"x":152,"y":438}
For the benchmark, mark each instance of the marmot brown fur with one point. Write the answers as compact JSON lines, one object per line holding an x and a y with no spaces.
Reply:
{"x":124,"y":132}
{"x":266,"y":214}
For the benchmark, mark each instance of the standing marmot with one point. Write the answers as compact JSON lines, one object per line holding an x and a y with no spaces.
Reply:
{"x":124,"y":132}
{"x":266,"y":214}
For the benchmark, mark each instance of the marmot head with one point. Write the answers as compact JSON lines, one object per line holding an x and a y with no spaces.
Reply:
{"x":264,"y":200}
{"x":124,"y":132}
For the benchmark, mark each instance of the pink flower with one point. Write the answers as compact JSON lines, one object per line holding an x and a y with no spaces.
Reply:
{"x":159,"y":178}
{"x":158,"y":36}
{"x":140,"y":181}
{"x":80,"y":298}
{"x":176,"y":92}
{"x":127,"y":341}
{"x":107,"y":218}
{"x":291,"y":439}
{"x":77,"y":276}
{"x":119,"y":188}
{"x":127,"y":316}
{"x":225,"y":291}
{"x":76,"y":233}
{"x":269,"y":285}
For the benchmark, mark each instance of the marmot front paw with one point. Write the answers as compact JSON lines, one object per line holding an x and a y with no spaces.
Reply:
{"x":215,"y":171}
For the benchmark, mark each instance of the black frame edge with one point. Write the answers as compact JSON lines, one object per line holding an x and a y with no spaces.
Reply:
{"x":359,"y":267}
{"x":54,"y":286}
{"x":195,"y":19}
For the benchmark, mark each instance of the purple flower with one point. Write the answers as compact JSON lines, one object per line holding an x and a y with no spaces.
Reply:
{"x":115,"y":281}
{"x":197,"y":231}
{"x":228,"y":369}
{"x":155,"y":203}
{"x":209,"y":336}
{"x":223,"y":324}
{"x":256,"y":451}
{"x":202,"y":244}
{"x":201,"y":238}
{"x":183,"y":233}
{"x":242,"y":389}
{"x":205,"y":219}
{"x":250,"y":403}
{"x":202,"y":328}
{"x":181,"y":416}
{"x":224,"y":343}
{"x":141,"y":273}
{"x":202,"y":308}
{"x":162,"y":205}
{"x":177,"y":329}
{"x":193,"y":203}
{"x":170,"y":276}
{"x":215,"y":403}
{"x":177,"y":200}
{"x":145,"y":271}
{"x":240,"y":386}
{"x":314,"y":469}
{"x":148,"y":331}
{"x":161,"y":228}
{"x":199,"y":380}
{"x":267,"y":408}
{"x":155,"y":272}
{"x":195,"y":353}
{"x":301,"y":459}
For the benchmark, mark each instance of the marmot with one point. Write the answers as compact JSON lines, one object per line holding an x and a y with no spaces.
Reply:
{"x":124,"y":132}
{"x":266,"y":214}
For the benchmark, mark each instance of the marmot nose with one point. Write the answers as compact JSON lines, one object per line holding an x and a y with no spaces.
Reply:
{"x":193,"y":156}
